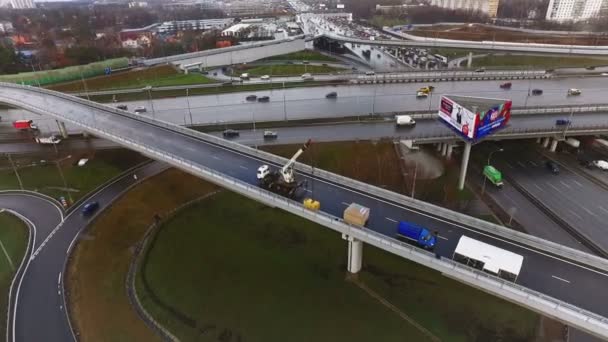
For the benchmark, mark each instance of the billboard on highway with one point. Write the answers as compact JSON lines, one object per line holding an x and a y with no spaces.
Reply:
{"x":474,"y":118}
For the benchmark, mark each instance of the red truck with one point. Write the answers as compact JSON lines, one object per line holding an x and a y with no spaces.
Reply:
{"x":24,"y":124}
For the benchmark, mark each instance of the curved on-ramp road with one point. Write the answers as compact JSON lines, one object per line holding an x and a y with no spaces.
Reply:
{"x":37,"y":302}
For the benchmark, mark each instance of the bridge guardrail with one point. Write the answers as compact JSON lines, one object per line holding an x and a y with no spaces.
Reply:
{"x":584,"y":319}
{"x":424,"y":207}
{"x":556,"y":308}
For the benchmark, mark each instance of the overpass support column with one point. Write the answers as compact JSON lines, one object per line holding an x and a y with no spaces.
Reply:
{"x":553,"y":145}
{"x":444,"y":149}
{"x":538,"y":140}
{"x":62,"y":129}
{"x":449,"y":152}
{"x":439,"y":146}
{"x":470,"y":60}
{"x":355,"y":254}
{"x":546,"y":142}
{"x":465,"y":164}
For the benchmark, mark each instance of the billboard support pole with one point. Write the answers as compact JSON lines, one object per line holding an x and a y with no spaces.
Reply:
{"x":465,"y":164}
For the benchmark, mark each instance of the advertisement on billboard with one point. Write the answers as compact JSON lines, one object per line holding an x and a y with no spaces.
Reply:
{"x":489,"y":116}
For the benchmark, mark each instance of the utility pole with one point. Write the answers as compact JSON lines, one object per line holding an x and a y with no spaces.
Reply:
{"x":414,"y":183}
{"x":15,"y":170}
{"x":65,"y":184}
{"x":188,"y":102}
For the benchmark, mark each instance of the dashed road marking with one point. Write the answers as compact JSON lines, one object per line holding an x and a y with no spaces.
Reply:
{"x":564,"y":184}
{"x":59,"y":278}
{"x":561,"y":279}
{"x":216,"y":157}
{"x":442,"y":237}
{"x":538,"y":187}
{"x":589,"y":211}
{"x":554,"y":187}
{"x":521,"y":164}
{"x":509,"y":165}
{"x":533,"y":163}
{"x":604,"y":209}
{"x":390,"y":219}
{"x":575,"y":214}
{"x":579,"y":184}
{"x":345,"y":203}
{"x":243,"y":167}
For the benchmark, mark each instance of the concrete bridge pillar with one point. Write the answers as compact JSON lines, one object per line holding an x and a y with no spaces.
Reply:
{"x":62,"y":129}
{"x":470,"y":60}
{"x":538,"y":140}
{"x":85,"y":134}
{"x":449,"y":151}
{"x":355,"y":254}
{"x":444,"y":149}
{"x":546,"y":142}
{"x":553,"y":145}
{"x":439,"y":147}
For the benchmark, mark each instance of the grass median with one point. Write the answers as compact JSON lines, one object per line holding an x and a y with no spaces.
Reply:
{"x":13,"y":240}
{"x":288,"y":70}
{"x":97,"y":272}
{"x":306,"y":55}
{"x":43,"y":172}
{"x":537,"y":61}
{"x":156,"y":77}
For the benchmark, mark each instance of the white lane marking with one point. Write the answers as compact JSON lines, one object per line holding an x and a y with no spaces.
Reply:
{"x":478,"y":232}
{"x":345,"y":203}
{"x":509,"y":165}
{"x":589,"y":211}
{"x":579,"y":184}
{"x":59,"y":278}
{"x":46,"y":240}
{"x":216,"y":157}
{"x":575,"y":214}
{"x":533,"y":163}
{"x":564,"y":184}
{"x":441,"y":237}
{"x":307,"y":190}
{"x":561,"y":279}
{"x":604,"y":209}
{"x":243,"y":167}
{"x":390,"y":219}
{"x":554,"y":187}
{"x":538,"y":187}
{"x":521,"y":164}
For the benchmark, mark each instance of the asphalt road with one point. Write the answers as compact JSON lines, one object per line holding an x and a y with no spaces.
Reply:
{"x":577,"y":200}
{"x":550,"y":274}
{"x":40,"y":313}
{"x":307,"y":103}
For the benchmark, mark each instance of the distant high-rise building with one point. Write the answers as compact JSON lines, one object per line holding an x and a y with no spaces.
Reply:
{"x":565,"y":10}
{"x":17,"y":4}
{"x":490,"y":7}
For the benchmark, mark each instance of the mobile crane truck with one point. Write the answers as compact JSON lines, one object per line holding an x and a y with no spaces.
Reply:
{"x":281,"y":181}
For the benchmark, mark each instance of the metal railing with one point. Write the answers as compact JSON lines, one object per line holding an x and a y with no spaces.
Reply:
{"x":583,"y":319}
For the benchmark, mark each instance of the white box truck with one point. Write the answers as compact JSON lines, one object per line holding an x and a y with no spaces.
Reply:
{"x":404,"y":120}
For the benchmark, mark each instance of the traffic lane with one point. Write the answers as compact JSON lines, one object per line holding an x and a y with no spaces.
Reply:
{"x":205,"y":154}
{"x":532,"y":219}
{"x":43,"y":214}
{"x":575,"y":199}
{"x":41,"y":299}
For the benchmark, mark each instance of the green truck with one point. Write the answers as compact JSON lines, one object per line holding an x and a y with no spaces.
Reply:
{"x":493,"y":175}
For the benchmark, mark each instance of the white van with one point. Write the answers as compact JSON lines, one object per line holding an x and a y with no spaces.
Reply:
{"x":404,"y":120}
{"x":245,"y":76}
{"x":307,"y":77}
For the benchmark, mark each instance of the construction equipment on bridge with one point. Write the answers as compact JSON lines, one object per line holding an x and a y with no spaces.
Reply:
{"x":311,"y":204}
{"x":356,"y":214}
{"x":493,"y":175}
{"x":282,"y":181}
{"x":426,"y":90}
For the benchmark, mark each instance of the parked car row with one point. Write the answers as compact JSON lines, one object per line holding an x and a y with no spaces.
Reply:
{"x":233,"y":133}
{"x":253,"y":98}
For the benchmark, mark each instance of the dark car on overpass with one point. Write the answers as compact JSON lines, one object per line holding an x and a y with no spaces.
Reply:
{"x":552,"y":166}
{"x":264,"y":99}
{"x":90,"y":208}
{"x":537,"y":91}
{"x":230,"y":133}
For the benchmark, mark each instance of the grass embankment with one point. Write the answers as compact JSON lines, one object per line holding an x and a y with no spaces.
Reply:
{"x":13,"y":236}
{"x":156,"y":76}
{"x":97,"y":272}
{"x":41,"y":173}
{"x":263,"y":262}
{"x":289,"y":70}
{"x":537,"y":61}
{"x":233,"y":268}
{"x":306,"y":55}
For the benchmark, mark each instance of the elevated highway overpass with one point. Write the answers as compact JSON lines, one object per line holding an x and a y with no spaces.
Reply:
{"x":233,"y":166}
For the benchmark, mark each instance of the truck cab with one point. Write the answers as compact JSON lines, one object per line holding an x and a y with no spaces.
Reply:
{"x":417,"y":235}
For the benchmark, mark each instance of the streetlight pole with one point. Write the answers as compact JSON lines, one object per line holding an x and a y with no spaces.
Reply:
{"x":188,"y":102}
{"x":149,"y":89}
{"x":414,"y":183}
{"x":15,"y":170}
{"x":86,"y":91}
{"x":65,"y":184}
{"x":284,"y":102}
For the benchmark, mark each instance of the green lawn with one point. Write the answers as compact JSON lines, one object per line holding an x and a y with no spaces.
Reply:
{"x":45,"y":177}
{"x":13,"y":236}
{"x":290,"y":70}
{"x":307,"y":55}
{"x":157,"y":77}
{"x":537,"y":61}
{"x":229,"y":266}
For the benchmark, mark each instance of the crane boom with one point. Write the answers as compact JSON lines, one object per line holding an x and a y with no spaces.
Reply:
{"x":295,"y":156}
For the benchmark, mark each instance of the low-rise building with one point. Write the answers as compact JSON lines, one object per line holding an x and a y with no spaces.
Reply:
{"x":574,"y":10}
{"x":6,"y":27}
{"x":490,"y":7}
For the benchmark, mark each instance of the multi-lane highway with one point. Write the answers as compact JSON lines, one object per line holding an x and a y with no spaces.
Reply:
{"x":38,"y":305}
{"x":548,"y":273}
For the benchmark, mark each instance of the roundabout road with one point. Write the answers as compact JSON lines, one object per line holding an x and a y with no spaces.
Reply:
{"x":38,"y":304}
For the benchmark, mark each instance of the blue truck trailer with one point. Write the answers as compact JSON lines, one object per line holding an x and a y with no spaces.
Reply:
{"x":416,"y":234}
